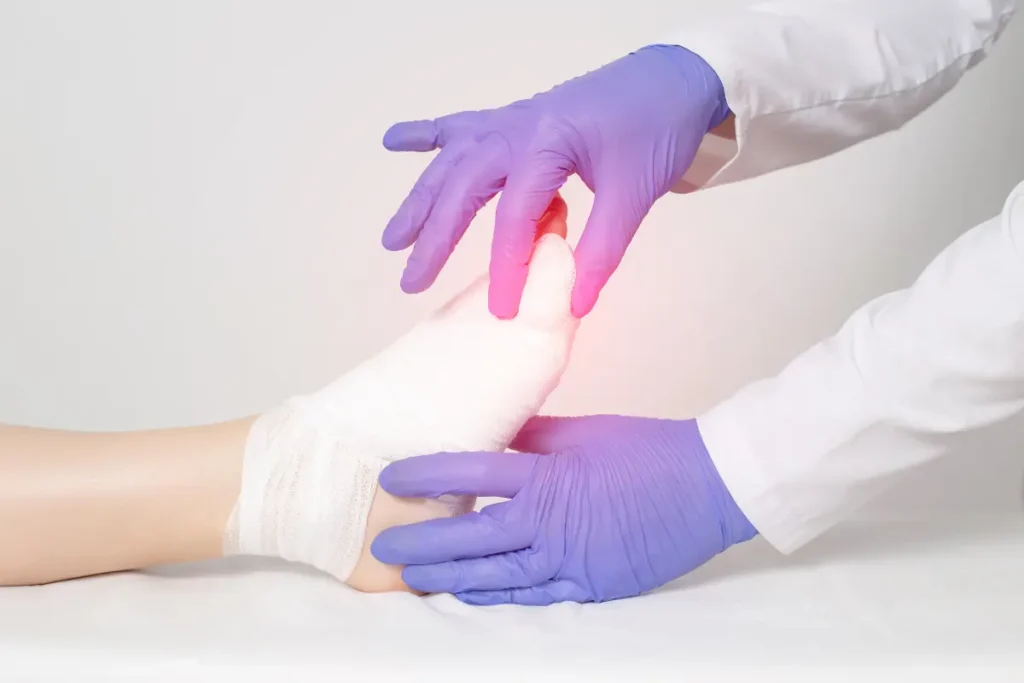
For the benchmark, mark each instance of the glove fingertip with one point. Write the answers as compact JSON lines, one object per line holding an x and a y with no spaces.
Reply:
{"x":428,"y":257}
{"x":394,"y":138}
{"x":396,"y":235}
{"x":414,"y":280}
{"x":426,"y":579}
{"x":394,"y":481}
{"x":502,"y":304}
{"x":584,"y":298}
{"x":505,"y":291}
{"x":411,"y":136}
{"x":384,"y":549}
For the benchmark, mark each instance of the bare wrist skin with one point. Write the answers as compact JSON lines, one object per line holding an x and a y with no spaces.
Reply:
{"x":726,"y":129}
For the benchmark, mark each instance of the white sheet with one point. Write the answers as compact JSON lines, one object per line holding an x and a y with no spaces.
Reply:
{"x":882,"y":596}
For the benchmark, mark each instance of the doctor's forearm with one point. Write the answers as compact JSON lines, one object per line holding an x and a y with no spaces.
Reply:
{"x":808,"y":79}
{"x":76,"y":504}
{"x":902,"y":383}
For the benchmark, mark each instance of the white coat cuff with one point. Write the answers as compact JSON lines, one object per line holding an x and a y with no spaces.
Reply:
{"x":805,"y":79}
{"x":750,"y":485}
{"x":715,"y":154}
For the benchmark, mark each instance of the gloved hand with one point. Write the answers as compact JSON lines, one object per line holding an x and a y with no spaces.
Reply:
{"x":630,"y":130}
{"x":604,"y":507}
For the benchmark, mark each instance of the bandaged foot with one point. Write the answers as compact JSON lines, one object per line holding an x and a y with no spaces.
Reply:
{"x":462,"y":380}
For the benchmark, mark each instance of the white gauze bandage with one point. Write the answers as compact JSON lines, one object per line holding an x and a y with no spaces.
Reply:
{"x":462,"y":380}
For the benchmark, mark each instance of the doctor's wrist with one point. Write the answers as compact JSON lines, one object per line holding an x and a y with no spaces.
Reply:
{"x":736,"y":528}
{"x":700,"y":80}
{"x":726,"y":129}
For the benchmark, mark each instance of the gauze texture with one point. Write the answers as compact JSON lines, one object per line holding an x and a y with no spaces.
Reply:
{"x":462,"y":380}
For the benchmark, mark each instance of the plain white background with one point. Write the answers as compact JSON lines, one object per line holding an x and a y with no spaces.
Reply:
{"x":192,"y":196}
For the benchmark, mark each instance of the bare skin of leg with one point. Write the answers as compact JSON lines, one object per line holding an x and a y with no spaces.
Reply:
{"x":76,"y":504}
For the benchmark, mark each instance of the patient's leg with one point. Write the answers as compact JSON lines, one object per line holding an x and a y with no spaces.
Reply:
{"x":461,"y":380}
{"x":76,"y":504}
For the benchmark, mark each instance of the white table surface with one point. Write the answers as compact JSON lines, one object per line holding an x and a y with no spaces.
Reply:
{"x":871,"y":601}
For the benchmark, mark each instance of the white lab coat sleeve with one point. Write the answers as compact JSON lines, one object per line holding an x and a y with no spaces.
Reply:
{"x":808,"y":78}
{"x":903,"y":382}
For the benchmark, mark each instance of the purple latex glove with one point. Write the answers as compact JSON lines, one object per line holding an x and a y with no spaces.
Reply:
{"x":603,"y":507}
{"x":630,"y":130}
